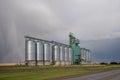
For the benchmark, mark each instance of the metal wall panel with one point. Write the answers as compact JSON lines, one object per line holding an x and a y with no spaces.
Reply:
{"x":56,"y":53}
{"x":85,"y":55}
{"x":39,"y":51}
{"x":46,"y":52}
{"x":82,"y":54}
{"x":62,"y":53}
{"x":70,"y":54}
{"x":30,"y":50}
{"x":66,"y":54}
{"x":89,"y":56}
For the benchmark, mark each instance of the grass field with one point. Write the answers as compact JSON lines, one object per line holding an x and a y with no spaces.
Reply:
{"x":48,"y":72}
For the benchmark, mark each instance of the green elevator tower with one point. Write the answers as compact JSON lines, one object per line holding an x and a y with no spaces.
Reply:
{"x":74,"y":43}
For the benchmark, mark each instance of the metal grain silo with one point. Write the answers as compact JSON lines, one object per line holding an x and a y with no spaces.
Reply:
{"x":51,"y":53}
{"x":56,"y":55}
{"x":46,"y":53}
{"x":90,"y":56}
{"x":87,"y":55}
{"x":31,"y":52}
{"x":62,"y":55}
{"x":66,"y":56}
{"x":39,"y":53}
{"x":70,"y":56}
{"x":82,"y":55}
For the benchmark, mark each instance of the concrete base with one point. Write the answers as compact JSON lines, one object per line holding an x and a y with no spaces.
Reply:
{"x":40,"y":63}
{"x":84,"y":63}
{"x":47,"y":63}
{"x":71,"y":63}
{"x":62,"y":63}
{"x":31,"y":63}
{"x":67,"y":63}
{"x":57,"y":63}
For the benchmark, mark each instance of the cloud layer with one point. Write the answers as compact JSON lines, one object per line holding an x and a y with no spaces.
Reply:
{"x":89,"y":20}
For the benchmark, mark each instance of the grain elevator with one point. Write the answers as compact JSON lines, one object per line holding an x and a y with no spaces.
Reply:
{"x":44,"y":52}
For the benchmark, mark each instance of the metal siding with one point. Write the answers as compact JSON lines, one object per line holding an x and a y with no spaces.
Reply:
{"x":82,"y":54}
{"x":61,"y":53}
{"x":39,"y":51}
{"x":85,"y":54}
{"x":66,"y":54}
{"x":56,"y":53}
{"x":70,"y":54}
{"x":46,"y":51}
{"x":31,"y":50}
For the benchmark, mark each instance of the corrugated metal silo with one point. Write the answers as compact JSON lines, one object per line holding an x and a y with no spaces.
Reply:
{"x":90,"y":56}
{"x":87,"y":55}
{"x":89,"y":59}
{"x":70,"y":56}
{"x":39,"y":53}
{"x":56,"y":55}
{"x":51,"y":60}
{"x":84,"y":55}
{"x":46,"y":54}
{"x":31,"y":50}
{"x":62,"y":55}
{"x":66,"y":56}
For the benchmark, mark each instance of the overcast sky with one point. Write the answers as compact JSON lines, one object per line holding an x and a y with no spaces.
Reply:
{"x":95,"y":22}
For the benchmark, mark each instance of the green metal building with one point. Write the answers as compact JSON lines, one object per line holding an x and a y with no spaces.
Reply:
{"x":74,"y":43}
{"x":44,"y":52}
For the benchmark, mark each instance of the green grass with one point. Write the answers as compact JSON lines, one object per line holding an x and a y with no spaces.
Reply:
{"x":48,"y":72}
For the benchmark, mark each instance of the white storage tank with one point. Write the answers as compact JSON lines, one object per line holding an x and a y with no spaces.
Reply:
{"x":82,"y":56}
{"x":66,"y":56}
{"x":56,"y":55}
{"x":31,"y":52}
{"x":46,"y":54}
{"x":39,"y":53}
{"x":62,"y":55}
{"x":70,"y":56}
{"x":87,"y":55}
{"x":81,"y":52}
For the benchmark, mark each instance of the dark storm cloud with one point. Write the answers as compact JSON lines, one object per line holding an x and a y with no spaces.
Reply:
{"x":53,"y":20}
{"x":105,"y":50}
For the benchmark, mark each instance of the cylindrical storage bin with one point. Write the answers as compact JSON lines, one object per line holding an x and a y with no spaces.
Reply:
{"x":31,"y":50}
{"x":82,"y":56}
{"x":84,"y":52}
{"x":46,"y":54}
{"x":66,"y":56}
{"x":62,"y":55}
{"x":81,"y":53}
{"x":70,"y":55}
{"x":90,"y":56}
{"x":39,"y":53}
{"x":87,"y":55}
{"x":56,"y":55}
{"x":51,"y":54}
